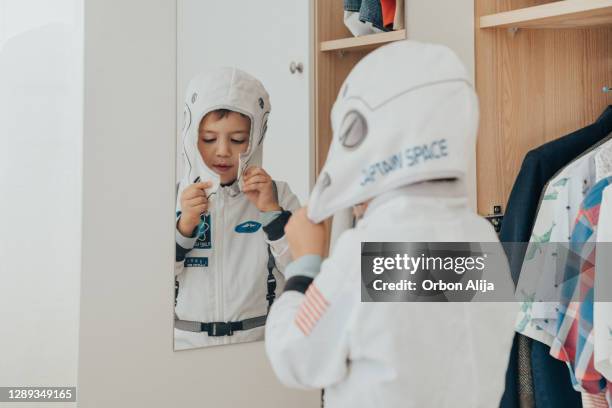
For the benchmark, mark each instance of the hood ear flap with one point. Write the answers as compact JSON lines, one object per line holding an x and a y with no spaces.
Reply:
{"x":264,"y":128}
{"x":353,"y":130}
{"x":186,"y":126}
{"x":263,"y":132}
{"x":186,"y":118}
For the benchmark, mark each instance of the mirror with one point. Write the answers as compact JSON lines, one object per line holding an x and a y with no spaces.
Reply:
{"x":243,"y":163}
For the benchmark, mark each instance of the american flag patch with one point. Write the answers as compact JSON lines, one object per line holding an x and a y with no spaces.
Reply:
{"x":311,"y":310}
{"x":594,"y":400}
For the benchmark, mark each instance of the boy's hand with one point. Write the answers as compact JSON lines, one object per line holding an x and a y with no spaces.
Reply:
{"x":304,"y":236}
{"x":259,"y":190}
{"x":193,"y":203}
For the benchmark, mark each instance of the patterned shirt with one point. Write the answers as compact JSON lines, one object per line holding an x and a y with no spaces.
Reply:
{"x":537,"y":286}
{"x":574,"y":340}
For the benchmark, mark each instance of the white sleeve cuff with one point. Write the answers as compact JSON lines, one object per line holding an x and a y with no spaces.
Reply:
{"x":268,"y":216}
{"x":183,"y":241}
{"x":307,"y":265}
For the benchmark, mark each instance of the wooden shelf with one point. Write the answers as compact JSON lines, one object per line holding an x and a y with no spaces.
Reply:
{"x":559,"y":14}
{"x":364,"y":42}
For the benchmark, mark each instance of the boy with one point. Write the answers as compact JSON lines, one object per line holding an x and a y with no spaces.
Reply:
{"x":230,"y":214}
{"x":400,"y":154}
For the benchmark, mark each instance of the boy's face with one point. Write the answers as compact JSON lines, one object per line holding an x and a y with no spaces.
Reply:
{"x":221,"y":141}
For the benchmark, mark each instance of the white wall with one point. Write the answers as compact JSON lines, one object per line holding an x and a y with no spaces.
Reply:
{"x":448,"y":22}
{"x":126,"y":356}
{"x":40,"y":177}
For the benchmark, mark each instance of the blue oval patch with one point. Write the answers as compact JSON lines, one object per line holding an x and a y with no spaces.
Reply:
{"x":247,"y":227}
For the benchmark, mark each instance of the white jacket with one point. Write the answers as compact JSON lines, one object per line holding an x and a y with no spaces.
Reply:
{"x":390,"y":355}
{"x":227,"y":279}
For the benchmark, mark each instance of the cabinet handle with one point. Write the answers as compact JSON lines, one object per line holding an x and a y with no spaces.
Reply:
{"x":296,"y":67}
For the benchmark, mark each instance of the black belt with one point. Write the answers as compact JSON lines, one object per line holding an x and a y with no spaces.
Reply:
{"x":221,"y":328}
{"x":217,"y":329}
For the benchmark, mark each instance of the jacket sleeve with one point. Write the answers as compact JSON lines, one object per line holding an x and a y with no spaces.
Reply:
{"x":307,"y":336}
{"x":275,"y":231}
{"x":182,"y":244}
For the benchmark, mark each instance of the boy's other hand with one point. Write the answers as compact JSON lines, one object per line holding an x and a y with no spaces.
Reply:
{"x":259,"y":190}
{"x":193,"y":203}
{"x":304,"y":236}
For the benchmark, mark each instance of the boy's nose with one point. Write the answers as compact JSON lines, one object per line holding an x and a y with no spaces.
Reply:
{"x":223,"y":148}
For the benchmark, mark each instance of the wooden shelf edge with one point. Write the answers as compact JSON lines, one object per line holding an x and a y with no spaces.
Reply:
{"x":559,"y":14}
{"x":363,"y":42}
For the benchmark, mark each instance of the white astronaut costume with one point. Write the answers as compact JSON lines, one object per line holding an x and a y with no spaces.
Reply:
{"x":222,"y":273}
{"x":416,"y":99}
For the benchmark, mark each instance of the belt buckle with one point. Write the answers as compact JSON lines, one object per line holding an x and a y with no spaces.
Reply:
{"x":217,"y":329}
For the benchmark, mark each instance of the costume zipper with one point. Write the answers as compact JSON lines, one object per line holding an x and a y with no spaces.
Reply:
{"x":214,"y":253}
{"x":221,"y":255}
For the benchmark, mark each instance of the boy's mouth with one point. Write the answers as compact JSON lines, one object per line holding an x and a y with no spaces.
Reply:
{"x":222,"y":168}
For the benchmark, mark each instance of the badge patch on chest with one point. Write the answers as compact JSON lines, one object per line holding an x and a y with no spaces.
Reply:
{"x":195,"y":262}
{"x":204,"y":233}
{"x":247,"y":227}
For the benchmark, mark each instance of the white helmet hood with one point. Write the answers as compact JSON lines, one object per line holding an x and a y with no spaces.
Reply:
{"x":224,"y":88}
{"x":406,"y":113}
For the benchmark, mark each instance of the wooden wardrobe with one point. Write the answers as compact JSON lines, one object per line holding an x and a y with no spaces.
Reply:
{"x":541,"y":67}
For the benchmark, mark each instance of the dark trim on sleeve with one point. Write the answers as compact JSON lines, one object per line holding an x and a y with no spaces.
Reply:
{"x":181,"y":253}
{"x":298,"y":283}
{"x":276,"y":229}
